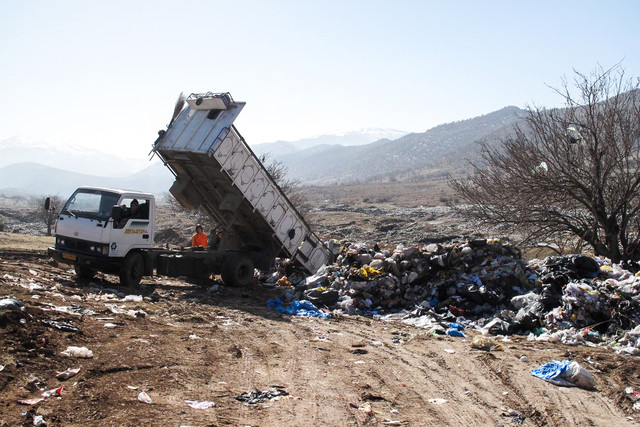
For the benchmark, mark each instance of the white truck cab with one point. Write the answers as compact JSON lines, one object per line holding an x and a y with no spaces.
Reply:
{"x":100,"y":227}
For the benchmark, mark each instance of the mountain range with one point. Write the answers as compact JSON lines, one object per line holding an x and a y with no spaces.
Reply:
{"x":360,"y":137}
{"x":442,"y":148}
{"x":369,"y":155}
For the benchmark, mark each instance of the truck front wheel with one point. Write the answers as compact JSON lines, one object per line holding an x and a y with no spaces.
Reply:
{"x":237,"y":271}
{"x":132,"y":270}
{"x":84,"y":272}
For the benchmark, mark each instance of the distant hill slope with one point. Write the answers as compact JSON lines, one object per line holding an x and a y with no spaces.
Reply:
{"x":347,"y":139}
{"x":37,"y":180}
{"x":77,"y":159}
{"x":447,"y":145}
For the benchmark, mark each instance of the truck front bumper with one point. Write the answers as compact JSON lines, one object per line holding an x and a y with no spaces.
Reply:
{"x":98,"y":262}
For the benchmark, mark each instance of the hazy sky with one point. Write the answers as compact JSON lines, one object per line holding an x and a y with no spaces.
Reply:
{"x":106,"y":74}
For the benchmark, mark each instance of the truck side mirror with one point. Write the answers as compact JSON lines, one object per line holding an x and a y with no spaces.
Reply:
{"x":116,"y":213}
{"x":47,"y":203}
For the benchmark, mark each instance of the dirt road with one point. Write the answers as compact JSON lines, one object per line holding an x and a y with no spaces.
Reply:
{"x":187,"y":342}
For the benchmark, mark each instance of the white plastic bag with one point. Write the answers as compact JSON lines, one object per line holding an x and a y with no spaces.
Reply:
{"x":579,"y":376}
{"x":81,"y":352}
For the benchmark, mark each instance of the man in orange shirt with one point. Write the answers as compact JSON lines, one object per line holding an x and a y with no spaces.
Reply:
{"x":199,"y":239}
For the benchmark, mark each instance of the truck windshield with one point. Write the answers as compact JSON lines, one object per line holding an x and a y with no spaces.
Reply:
{"x":94,"y":204}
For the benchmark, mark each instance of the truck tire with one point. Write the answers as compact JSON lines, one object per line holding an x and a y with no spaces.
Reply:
{"x":132,"y":270}
{"x":84,"y":272}
{"x":237,"y":271}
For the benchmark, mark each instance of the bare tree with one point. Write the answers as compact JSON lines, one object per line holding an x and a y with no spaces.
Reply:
{"x":568,"y":173}
{"x":48,"y":214}
{"x":291,"y":187}
{"x":197,"y":216}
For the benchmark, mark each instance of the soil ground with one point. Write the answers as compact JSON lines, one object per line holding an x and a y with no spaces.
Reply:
{"x":208,"y":342}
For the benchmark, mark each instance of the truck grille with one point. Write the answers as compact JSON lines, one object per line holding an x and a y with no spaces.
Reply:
{"x":76,"y":245}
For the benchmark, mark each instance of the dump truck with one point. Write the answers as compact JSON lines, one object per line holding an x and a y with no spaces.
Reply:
{"x":215,"y":170}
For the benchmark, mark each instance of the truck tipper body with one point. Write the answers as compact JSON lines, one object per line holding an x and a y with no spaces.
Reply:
{"x":214,"y":170}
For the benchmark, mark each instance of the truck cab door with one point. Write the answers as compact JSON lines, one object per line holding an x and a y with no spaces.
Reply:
{"x":132,"y":229}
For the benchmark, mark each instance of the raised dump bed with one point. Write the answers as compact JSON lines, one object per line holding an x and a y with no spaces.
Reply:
{"x":215,"y":169}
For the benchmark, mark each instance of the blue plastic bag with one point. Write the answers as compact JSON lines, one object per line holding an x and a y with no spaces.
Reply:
{"x":297,"y":308}
{"x":551,"y":370}
{"x":455,"y":333}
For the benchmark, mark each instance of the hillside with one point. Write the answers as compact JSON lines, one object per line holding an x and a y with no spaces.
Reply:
{"x":445,"y":145}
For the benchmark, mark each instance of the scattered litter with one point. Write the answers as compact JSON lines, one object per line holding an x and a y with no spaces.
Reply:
{"x":53,"y":392}
{"x":31,"y":402}
{"x":297,"y":308}
{"x":145,"y":398}
{"x":62,"y":326}
{"x":80,"y":352}
{"x":482,"y":342}
{"x":110,"y":325}
{"x":258,"y":396}
{"x":455,"y":333}
{"x":365,"y":407}
{"x":200,"y":405}
{"x":11,"y":304}
{"x":75,"y":310}
{"x":449,"y":350}
{"x":565,"y":373}
{"x":132,"y":387}
{"x":115,"y":309}
{"x":34,"y":384}
{"x":69,"y":373}
{"x":46,"y":394}
{"x":132,"y":298}
{"x":516,"y":417}
{"x":634,"y":396}
{"x":524,"y":359}
{"x":438,"y":401}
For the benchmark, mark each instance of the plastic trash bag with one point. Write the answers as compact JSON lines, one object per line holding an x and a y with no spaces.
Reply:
{"x":455,"y":333}
{"x":565,"y":373}
{"x":482,"y":342}
{"x":81,"y":352}
{"x":11,"y":304}
{"x":297,"y":308}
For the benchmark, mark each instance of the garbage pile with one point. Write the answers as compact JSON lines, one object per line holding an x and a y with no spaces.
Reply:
{"x":482,"y":284}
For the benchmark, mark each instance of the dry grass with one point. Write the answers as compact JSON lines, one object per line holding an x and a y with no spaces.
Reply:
{"x":24,"y":243}
{"x":403,"y":194}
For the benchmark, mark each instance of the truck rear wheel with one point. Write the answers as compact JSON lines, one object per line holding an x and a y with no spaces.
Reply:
{"x":84,"y":272}
{"x":132,"y":270}
{"x":237,"y":271}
